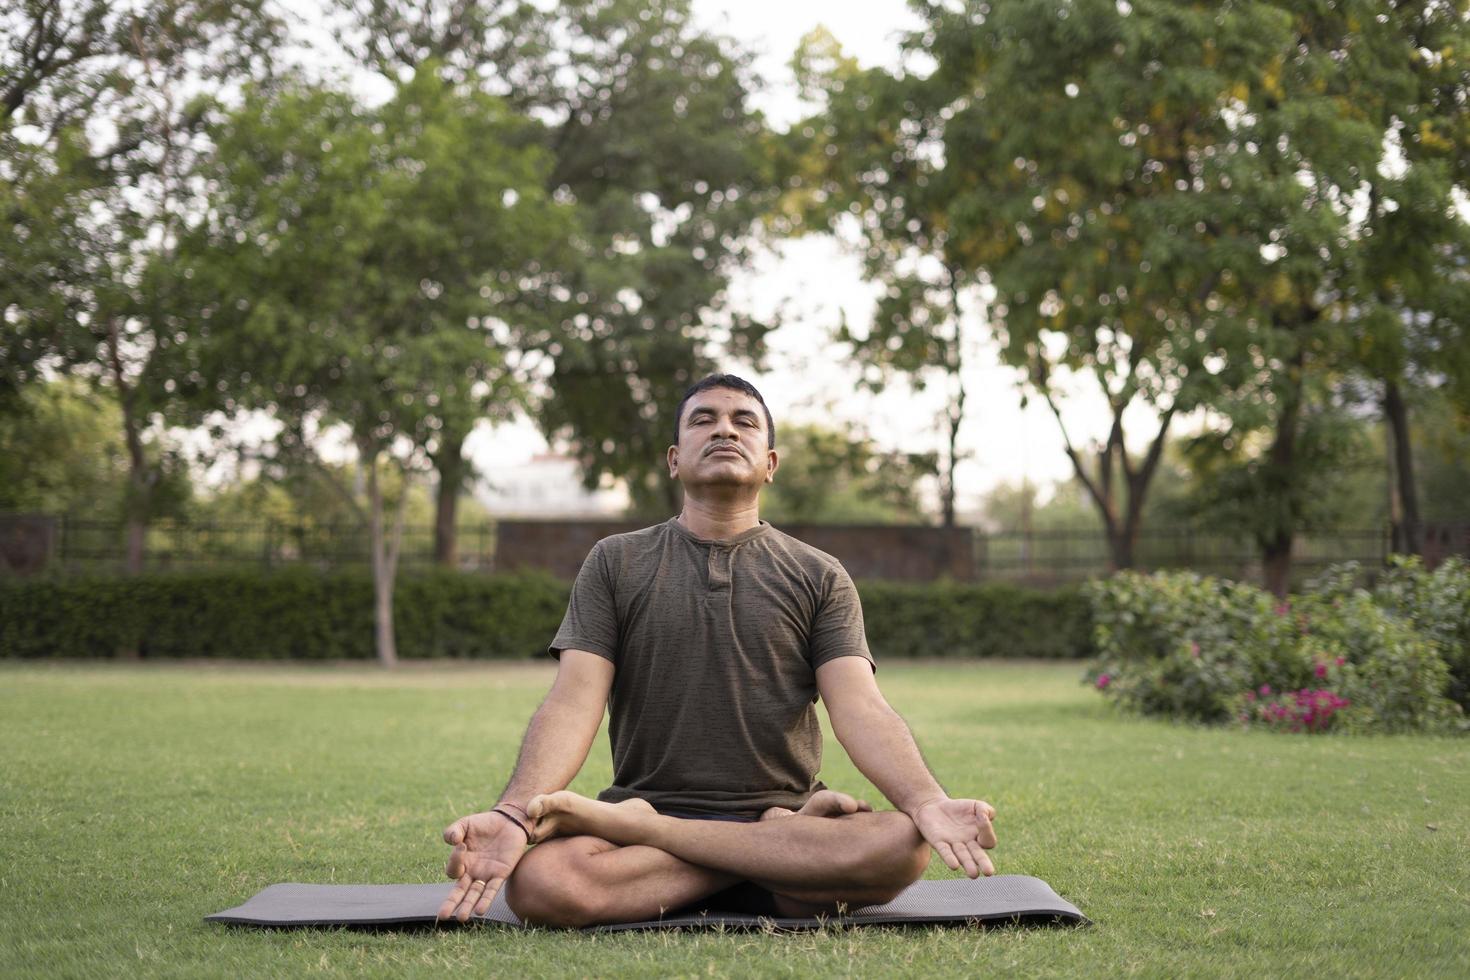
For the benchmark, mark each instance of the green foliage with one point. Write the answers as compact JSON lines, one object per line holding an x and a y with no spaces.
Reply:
{"x":1014,"y":507}
{"x":654,"y":144}
{"x":61,"y":452}
{"x":1228,"y":206}
{"x":827,"y":475}
{"x":1185,"y":646}
{"x":963,"y":620}
{"x":274,"y":615}
{"x":1437,"y":603}
{"x":302,"y":614}
{"x":1238,"y":486}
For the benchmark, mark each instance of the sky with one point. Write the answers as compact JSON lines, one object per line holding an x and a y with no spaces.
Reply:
{"x":817,"y":281}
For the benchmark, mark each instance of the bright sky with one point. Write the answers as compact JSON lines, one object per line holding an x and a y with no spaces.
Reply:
{"x":818,"y":281}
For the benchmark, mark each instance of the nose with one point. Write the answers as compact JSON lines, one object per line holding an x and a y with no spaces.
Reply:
{"x":725,"y":428}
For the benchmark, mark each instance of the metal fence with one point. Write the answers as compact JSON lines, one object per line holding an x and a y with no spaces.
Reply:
{"x":1037,"y":557}
{"x":1060,"y":556}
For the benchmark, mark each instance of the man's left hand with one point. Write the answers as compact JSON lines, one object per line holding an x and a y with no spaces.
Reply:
{"x":961,"y":831}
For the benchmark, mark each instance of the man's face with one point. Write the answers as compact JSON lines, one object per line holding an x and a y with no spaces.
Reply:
{"x":722,"y":440}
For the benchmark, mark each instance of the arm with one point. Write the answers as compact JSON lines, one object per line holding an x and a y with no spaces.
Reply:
{"x":488,"y":845}
{"x":882,"y":747}
{"x":562,"y":729}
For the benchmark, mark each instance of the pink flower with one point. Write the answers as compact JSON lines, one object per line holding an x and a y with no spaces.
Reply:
{"x":1103,"y":680}
{"x":1282,"y":608}
{"x":1321,"y":670}
{"x":1265,"y":690}
{"x":1193,"y":648}
{"x":1340,"y":661}
{"x":1250,"y":695}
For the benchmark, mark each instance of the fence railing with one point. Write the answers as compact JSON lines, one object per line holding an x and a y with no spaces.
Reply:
{"x":1048,"y":556}
{"x":1039,"y":556}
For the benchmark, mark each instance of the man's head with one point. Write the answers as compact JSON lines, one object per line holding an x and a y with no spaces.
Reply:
{"x":733,"y":383}
{"x":723,"y":434}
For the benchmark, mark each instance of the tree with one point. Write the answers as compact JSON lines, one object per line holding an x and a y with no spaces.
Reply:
{"x":1183,"y":225}
{"x":101,"y":109}
{"x":352,"y":271}
{"x":61,"y":452}
{"x":831,"y":476}
{"x":855,"y":170}
{"x":653,"y":142}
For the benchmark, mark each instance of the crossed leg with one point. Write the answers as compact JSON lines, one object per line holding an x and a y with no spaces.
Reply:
{"x":604,"y":862}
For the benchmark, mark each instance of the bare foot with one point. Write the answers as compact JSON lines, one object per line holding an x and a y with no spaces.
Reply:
{"x":566,"y":814}
{"x":823,"y":803}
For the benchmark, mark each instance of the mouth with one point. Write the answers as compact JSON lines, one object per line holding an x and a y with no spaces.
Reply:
{"x":726,"y":451}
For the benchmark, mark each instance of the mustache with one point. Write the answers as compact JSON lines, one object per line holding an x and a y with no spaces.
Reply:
{"x":725,"y":445}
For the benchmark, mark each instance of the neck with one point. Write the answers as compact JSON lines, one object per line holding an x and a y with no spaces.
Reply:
{"x":719,"y":519}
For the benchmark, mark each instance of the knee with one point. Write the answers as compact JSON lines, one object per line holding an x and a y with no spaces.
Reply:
{"x":898,"y":858}
{"x":550,"y":887}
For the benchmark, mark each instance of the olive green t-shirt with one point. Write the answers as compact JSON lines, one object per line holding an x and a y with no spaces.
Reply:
{"x":715,"y":645}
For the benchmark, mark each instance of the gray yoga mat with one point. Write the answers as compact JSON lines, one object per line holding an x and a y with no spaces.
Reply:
{"x":1003,"y":899}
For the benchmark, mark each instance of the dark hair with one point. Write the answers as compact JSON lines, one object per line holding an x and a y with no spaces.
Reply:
{"x":734,"y":384}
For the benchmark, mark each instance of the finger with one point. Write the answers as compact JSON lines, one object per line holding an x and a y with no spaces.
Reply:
{"x":988,"y":810}
{"x":455,"y":896}
{"x":967,"y":861}
{"x":946,"y":854}
{"x":985,"y":834}
{"x":467,"y":904}
{"x":982,"y":860}
{"x":454,"y":833}
{"x":492,"y":888}
{"x":455,"y":866}
{"x":864,"y":806}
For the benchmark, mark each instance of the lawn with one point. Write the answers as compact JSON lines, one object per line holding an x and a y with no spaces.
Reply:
{"x":137,"y":799}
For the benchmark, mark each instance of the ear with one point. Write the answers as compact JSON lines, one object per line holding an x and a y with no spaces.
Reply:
{"x":672,"y":457}
{"x":772,"y":461}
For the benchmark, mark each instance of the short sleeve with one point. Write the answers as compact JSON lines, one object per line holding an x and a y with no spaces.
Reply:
{"x":591,"y":621}
{"x":837,"y":630}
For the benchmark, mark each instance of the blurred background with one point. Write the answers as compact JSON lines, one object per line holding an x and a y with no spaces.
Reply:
{"x":1036,"y":289}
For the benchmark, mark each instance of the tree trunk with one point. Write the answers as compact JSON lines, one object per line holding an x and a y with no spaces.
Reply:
{"x":383,"y":569}
{"x":1122,"y":543}
{"x":947,"y":492}
{"x":450,"y":464}
{"x":1406,"y":530}
{"x":1276,"y":563}
{"x":1276,"y":545}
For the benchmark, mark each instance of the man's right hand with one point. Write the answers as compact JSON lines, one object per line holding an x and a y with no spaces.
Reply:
{"x":487,"y":848}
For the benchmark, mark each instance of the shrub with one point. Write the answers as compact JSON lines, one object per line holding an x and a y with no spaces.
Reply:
{"x":1438,"y":605}
{"x":1191,"y":647}
{"x":304,"y":614}
{"x":962,"y":619}
{"x":281,"y":614}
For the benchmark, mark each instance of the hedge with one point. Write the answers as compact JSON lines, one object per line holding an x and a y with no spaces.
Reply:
{"x":309,"y":615}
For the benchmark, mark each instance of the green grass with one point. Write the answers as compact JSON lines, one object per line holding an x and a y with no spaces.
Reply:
{"x":137,"y":799}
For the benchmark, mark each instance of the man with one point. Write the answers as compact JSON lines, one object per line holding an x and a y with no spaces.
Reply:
{"x":709,"y":638}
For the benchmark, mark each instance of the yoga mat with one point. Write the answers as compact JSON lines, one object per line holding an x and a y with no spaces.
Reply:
{"x":1001,"y":900}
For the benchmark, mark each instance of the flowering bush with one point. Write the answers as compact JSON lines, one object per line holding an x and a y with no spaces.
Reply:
{"x":1437,"y":603}
{"x":1306,"y":710}
{"x":1204,"y":649}
{"x":1186,"y":646}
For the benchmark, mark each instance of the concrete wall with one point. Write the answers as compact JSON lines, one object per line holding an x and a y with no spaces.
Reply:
{"x":916,"y":554}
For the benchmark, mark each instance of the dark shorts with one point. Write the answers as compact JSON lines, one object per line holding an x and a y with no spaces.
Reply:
{"x":743,"y":897}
